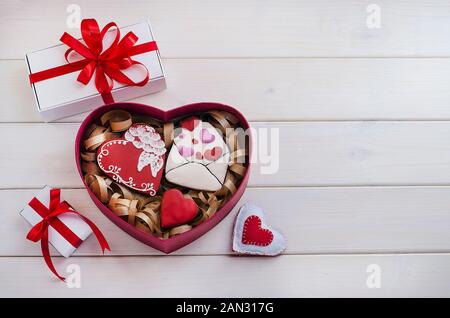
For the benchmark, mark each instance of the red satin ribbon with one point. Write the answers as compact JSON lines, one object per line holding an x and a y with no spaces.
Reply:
{"x":49,"y":215}
{"x":106,"y":64}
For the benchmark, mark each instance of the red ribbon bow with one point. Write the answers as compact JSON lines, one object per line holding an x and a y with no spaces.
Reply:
{"x":107,"y":64}
{"x":39,"y":232}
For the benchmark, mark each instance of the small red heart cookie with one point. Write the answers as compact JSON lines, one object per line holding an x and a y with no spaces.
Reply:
{"x":136,"y":160}
{"x":252,"y":235}
{"x":176,"y":209}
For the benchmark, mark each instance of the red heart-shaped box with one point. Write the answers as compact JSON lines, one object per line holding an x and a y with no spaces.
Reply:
{"x":171,"y":244}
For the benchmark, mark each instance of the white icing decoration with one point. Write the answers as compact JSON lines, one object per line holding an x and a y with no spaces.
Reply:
{"x":148,"y":187}
{"x":115,"y":170}
{"x":146,"y":138}
{"x":147,"y":158}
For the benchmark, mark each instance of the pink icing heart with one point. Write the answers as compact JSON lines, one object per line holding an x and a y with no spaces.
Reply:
{"x":199,"y":155}
{"x":213,"y":154}
{"x":207,"y":137}
{"x":186,"y":151}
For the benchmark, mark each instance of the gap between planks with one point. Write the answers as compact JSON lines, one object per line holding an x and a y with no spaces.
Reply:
{"x":218,"y":276}
{"x":268,"y":121}
{"x":233,"y":254}
{"x":332,"y":221}
{"x":299,"y":90}
{"x":280,"y":187}
{"x":270,"y":28}
{"x":331,"y":57}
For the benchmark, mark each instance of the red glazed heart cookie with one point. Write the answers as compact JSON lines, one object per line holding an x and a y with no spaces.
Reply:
{"x":136,"y":160}
{"x":176,"y":209}
{"x":252,"y":236}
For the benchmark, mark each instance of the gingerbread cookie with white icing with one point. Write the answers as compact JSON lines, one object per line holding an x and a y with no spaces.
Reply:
{"x":199,"y":157}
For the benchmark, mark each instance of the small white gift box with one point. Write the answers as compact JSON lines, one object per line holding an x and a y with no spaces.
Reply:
{"x":74,"y":227}
{"x":62,"y":96}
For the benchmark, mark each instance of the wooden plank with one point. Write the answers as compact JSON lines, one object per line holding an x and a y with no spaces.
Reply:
{"x":313,"y":220}
{"x":284,"y":276}
{"x":245,"y":28}
{"x":310,"y":154}
{"x":280,"y":89}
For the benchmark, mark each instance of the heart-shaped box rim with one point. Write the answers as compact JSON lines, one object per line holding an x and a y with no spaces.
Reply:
{"x":174,"y":243}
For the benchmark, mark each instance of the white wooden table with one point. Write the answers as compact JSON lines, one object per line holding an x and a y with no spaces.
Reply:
{"x":364,"y":119}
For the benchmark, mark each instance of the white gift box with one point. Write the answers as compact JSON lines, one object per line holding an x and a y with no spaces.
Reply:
{"x":76,"y":224}
{"x":64,"y":96}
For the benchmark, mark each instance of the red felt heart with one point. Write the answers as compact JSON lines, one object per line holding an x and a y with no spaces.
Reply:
{"x":253,"y":234}
{"x":175,"y":242}
{"x":120,"y":160}
{"x":176,"y":209}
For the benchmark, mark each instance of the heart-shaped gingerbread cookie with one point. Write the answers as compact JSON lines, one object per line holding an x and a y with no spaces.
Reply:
{"x":199,"y":157}
{"x":136,"y":160}
{"x":176,"y":209}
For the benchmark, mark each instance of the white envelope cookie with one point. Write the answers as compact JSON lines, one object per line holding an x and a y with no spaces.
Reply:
{"x":199,"y":157}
